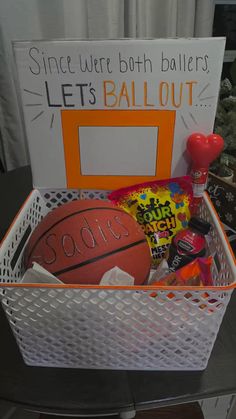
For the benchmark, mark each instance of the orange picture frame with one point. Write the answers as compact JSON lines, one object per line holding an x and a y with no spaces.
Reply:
{"x":73,"y":119}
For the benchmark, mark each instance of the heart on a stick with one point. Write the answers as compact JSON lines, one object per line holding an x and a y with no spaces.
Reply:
{"x":204,"y":149}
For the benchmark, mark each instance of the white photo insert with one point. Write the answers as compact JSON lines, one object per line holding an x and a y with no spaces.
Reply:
{"x":132,"y":151}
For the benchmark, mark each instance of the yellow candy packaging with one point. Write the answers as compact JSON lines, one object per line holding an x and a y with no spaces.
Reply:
{"x":162,"y":208}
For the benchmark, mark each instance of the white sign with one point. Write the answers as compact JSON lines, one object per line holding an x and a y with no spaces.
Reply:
{"x":96,"y":109}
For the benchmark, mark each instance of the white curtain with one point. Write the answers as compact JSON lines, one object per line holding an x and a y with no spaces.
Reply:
{"x":43,"y":19}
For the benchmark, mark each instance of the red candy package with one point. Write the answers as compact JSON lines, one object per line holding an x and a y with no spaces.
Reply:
{"x":162,"y":208}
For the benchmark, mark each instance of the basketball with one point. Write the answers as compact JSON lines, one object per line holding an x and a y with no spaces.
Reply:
{"x":81,"y":240}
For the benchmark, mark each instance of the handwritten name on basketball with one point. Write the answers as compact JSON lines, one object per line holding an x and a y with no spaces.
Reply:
{"x":82,"y":239}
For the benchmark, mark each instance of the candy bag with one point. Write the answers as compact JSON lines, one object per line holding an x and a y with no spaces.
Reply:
{"x":195,"y":273}
{"x":160,"y":207}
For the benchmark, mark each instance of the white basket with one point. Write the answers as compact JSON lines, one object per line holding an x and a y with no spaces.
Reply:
{"x":139,"y":328}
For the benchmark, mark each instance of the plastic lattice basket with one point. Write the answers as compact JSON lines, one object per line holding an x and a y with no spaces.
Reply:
{"x":148,"y":327}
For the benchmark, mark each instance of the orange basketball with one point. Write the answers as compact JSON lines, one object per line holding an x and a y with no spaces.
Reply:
{"x":81,"y":240}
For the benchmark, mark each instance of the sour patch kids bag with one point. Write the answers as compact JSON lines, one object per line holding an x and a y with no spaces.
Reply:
{"x":160,"y":207}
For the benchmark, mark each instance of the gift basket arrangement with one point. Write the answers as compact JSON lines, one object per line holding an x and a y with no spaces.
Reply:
{"x":135,"y":276}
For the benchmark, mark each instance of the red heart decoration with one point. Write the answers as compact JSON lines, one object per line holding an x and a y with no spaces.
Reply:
{"x":204,"y":149}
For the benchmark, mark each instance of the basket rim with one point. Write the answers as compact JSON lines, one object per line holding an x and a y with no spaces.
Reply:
{"x":199,"y":288}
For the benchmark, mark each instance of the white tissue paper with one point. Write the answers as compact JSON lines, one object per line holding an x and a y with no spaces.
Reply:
{"x":39,"y":275}
{"x":116,"y":277}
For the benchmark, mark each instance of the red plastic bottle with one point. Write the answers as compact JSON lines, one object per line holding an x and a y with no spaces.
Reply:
{"x":188,"y":244}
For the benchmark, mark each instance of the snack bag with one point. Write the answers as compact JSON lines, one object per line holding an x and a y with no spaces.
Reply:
{"x":160,"y":207}
{"x":195,"y":273}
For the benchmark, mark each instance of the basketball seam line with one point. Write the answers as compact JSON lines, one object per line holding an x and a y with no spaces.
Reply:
{"x":97,"y":258}
{"x":68,"y":216}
